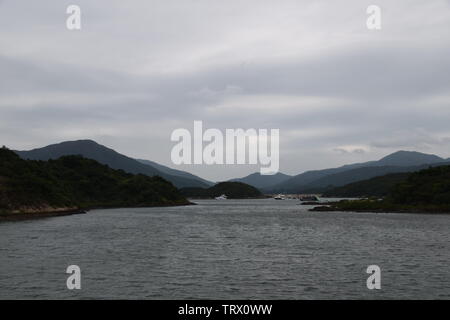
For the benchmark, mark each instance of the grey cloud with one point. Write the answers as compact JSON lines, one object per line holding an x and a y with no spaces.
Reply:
{"x":344,"y":151}
{"x":135,"y":73}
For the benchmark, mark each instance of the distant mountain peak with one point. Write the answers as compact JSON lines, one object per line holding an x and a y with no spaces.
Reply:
{"x":83,"y":143}
{"x":407,"y":158}
{"x":407,"y":153}
{"x":80,"y":141}
{"x":260,"y":181}
{"x":93,"y":150}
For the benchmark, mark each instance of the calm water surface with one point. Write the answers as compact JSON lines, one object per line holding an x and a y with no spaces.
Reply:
{"x":247,"y":249}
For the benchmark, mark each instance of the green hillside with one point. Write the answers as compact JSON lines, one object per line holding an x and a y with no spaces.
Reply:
{"x":426,"y":187}
{"x":74,"y":181}
{"x":423,"y":191}
{"x":375,"y":187}
{"x":92,"y":150}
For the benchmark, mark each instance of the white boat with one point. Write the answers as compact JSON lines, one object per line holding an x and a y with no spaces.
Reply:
{"x":222,"y":197}
{"x":280,"y":197}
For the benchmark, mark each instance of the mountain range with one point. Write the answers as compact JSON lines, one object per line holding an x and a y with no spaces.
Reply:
{"x":315,"y":181}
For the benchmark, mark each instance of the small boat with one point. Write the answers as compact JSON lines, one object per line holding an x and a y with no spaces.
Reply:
{"x":312,"y":198}
{"x":222,"y":197}
{"x":280,"y":197}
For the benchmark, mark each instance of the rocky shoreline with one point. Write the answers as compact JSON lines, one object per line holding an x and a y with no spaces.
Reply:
{"x":37,"y":213}
{"x":371,"y":207}
{"x":17,"y":215}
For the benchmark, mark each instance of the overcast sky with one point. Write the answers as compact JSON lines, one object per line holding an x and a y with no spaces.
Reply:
{"x":137,"y":70}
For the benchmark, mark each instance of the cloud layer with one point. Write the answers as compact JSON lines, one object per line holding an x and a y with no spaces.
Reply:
{"x":337,"y":91}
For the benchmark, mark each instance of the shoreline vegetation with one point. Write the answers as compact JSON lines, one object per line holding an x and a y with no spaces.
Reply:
{"x":377,"y":206}
{"x":425,"y":191}
{"x":73,"y":184}
{"x":36,"y":213}
{"x":25,"y":214}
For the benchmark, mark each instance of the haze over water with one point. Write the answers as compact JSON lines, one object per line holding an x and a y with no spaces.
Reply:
{"x":234,"y":249}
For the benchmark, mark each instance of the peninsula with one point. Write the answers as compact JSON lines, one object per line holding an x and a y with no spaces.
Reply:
{"x":73,"y":184}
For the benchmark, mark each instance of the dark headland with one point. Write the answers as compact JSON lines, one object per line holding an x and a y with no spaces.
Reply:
{"x":425,"y":191}
{"x":73,"y":184}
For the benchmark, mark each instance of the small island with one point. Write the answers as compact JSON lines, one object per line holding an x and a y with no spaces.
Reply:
{"x":73,"y":184}
{"x":425,"y":191}
{"x":232,"y":190}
